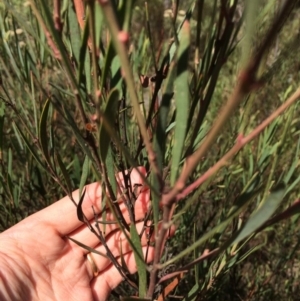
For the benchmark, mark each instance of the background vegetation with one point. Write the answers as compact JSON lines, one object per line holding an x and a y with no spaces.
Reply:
{"x":184,"y":88}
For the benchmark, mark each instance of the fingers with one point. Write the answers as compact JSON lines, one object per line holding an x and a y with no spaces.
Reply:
{"x":111,"y":278}
{"x":62,"y":216}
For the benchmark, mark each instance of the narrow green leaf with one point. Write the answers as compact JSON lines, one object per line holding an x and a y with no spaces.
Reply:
{"x":259,"y":217}
{"x":17,"y":46}
{"x":98,"y":23}
{"x":187,"y":17}
{"x":63,"y":91}
{"x":181,"y":99}
{"x":138,"y":255}
{"x":64,"y":171}
{"x":248,"y":253}
{"x":47,"y":16}
{"x":9,"y":163}
{"x":51,"y":137}
{"x":42,"y":46}
{"x":86,"y":247}
{"x":251,"y":13}
{"x":33,"y":101}
{"x":17,"y":193}
{"x":1,"y":131}
{"x":293,"y":165}
{"x":193,"y":293}
{"x":31,"y":149}
{"x":4,"y":188}
{"x":201,"y":134}
{"x":109,"y":163}
{"x":241,"y":202}
{"x":43,"y":131}
{"x":123,"y":262}
{"x":83,"y":50}
{"x":88,"y":73}
{"x":76,"y":171}
{"x":110,"y":115}
{"x":116,"y":73}
{"x":12,"y":61}
{"x":294,"y":184}
{"x":159,"y":141}
{"x":291,"y":211}
{"x":110,"y":54}
{"x":67,"y":116}
{"x":84,"y":174}
{"x":75,"y":35}
{"x":10,"y":188}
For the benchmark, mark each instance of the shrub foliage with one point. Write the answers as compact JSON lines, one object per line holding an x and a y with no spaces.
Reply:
{"x":202,"y":93}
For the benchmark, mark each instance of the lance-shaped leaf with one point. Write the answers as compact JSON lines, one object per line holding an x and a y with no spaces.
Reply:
{"x":1,"y":131}
{"x":31,"y":149}
{"x":43,"y":132}
{"x":64,"y":172}
{"x":75,"y":36}
{"x":138,"y":255}
{"x":91,"y":250}
{"x":67,"y":116}
{"x":242,"y":201}
{"x":259,"y":217}
{"x":160,"y":137}
{"x":109,"y":113}
{"x":83,"y":58}
{"x":84,"y":174}
{"x":181,"y":99}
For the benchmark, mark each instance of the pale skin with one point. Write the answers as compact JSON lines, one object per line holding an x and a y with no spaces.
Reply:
{"x":39,"y":262}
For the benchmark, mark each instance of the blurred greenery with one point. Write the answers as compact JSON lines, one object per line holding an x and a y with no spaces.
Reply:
{"x":70,"y":102}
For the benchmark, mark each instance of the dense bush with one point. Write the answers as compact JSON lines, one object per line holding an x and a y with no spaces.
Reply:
{"x":202,"y":93}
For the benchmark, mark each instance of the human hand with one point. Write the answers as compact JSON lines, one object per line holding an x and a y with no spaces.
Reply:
{"x":39,"y":262}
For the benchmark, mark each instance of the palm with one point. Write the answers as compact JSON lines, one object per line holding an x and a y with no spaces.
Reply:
{"x":53,"y":260}
{"x":53,"y":267}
